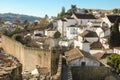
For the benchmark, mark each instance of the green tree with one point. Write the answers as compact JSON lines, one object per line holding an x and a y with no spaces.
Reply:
{"x":46,"y":16}
{"x":114,"y":61}
{"x":25,"y":23}
{"x":114,"y":39}
{"x":73,"y":8}
{"x":57,"y":35}
{"x":115,"y":11}
{"x":62,"y":13}
{"x":18,"y":37}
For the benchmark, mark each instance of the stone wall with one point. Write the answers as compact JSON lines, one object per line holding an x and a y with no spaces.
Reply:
{"x":14,"y":74}
{"x":57,"y":76}
{"x":90,"y":73}
{"x":29,"y":57}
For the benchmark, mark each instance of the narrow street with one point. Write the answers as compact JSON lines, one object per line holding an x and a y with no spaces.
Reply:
{"x":64,"y":72}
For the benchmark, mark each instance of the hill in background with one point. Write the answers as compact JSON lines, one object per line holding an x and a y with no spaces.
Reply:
{"x":11,"y":17}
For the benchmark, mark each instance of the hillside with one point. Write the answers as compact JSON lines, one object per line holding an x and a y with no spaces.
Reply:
{"x":21,"y":17}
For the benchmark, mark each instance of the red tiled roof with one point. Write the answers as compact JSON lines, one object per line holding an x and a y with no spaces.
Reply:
{"x":76,"y":53}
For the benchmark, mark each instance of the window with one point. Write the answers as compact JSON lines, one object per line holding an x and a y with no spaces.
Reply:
{"x":83,"y":63}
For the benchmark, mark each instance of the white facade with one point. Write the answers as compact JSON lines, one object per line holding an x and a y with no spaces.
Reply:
{"x":102,"y":36}
{"x":102,"y":33}
{"x":91,"y":39}
{"x":84,"y":61}
{"x":70,"y":28}
{"x":96,"y":51}
{"x":50,"y":33}
{"x":71,"y":32}
{"x":104,"y":42}
{"x":85,"y":47}
{"x":117,"y":50}
{"x":38,"y":32}
{"x":85,"y":21}
{"x":106,"y":20}
{"x":64,"y":43}
{"x":62,"y":25}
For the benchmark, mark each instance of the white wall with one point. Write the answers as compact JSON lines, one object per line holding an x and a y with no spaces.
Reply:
{"x":117,"y":51}
{"x":76,"y":43}
{"x":85,"y":47}
{"x":49,"y":33}
{"x":106,"y":20}
{"x":91,"y":39}
{"x":38,"y":32}
{"x":95,"y":51}
{"x":63,"y":43}
{"x":59,"y":26}
{"x":99,"y":32}
{"x":88,"y":61}
{"x":71,"y":32}
{"x":104,"y":42}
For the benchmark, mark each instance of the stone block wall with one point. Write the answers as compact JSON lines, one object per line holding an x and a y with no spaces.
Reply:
{"x":29,"y":57}
{"x":90,"y":73}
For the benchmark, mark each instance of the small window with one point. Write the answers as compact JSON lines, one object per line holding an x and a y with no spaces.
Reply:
{"x":83,"y":64}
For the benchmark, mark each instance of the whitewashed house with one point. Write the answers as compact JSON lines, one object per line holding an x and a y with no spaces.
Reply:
{"x":65,"y":43}
{"x":83,"y":19}
{"x":89,"y":36}
{"x":85,"y":39}
{"x":110,"y":20}
{"x":72,"y":31}
{"x":117,"y":50}
{"x":62,"y":25}
{"x":76,"y":24}
{"x":82,"y":44}
{"x":38,"y":32}
{"x":103,"y":33}
{"x":51,"y":29}
{"x":50,"y":32}
{"x":76,"y":57}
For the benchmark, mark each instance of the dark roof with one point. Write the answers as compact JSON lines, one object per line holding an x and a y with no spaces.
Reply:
{"x":72,"y":26}
{"x":89,"y":34}
{"x":85,"y":16}
{"x":64,"y":20}
{"x":70,"y":18}
{"x":112,"y":18}
{"x":96,"y":45}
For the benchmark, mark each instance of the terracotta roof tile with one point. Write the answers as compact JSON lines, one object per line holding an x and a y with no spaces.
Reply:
{"x":76,"y":53}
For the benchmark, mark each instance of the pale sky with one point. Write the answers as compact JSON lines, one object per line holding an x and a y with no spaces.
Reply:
{"x":52,"y":7}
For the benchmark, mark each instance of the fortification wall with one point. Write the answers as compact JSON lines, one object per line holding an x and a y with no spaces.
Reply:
{"x":29,"y":57}
{"x":90,"y":73}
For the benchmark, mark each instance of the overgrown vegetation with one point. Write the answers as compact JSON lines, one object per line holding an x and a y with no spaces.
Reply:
{"x":70,"y":11}
{"x":57,"y":35}
{"x":116,"y":11}
{"x":114,"y":61}
{"x":25,"y":40}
